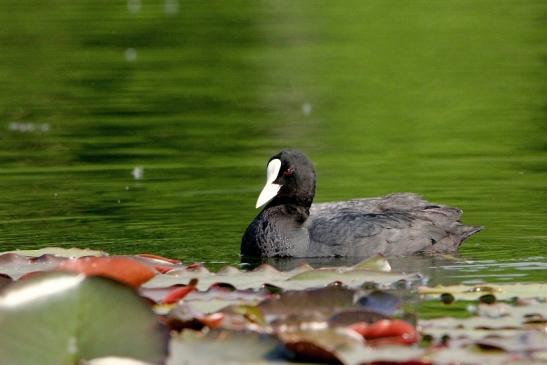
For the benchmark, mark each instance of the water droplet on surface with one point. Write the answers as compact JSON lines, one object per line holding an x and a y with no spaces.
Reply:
{"x":138,"y":173}
{"x":24,"y":127}
{"x":133,"y":6}
{"x":131,"y":55}
{"x":171,"y":7}
{"x":72,"y":345}
{"x":306,"y":108}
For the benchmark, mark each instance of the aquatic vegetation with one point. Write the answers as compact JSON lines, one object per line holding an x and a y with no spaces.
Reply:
{"x":85,"y":307}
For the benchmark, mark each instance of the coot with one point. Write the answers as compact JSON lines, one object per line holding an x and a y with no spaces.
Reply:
{"x":394,"y":225}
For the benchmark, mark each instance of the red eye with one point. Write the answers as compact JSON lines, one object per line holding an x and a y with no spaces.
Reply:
{"x":288,"y":172}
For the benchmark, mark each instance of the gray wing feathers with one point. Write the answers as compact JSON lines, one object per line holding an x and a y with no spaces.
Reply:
{"x":397,"y":224}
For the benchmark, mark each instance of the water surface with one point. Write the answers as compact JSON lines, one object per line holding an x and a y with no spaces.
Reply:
{"x":146,"y":126}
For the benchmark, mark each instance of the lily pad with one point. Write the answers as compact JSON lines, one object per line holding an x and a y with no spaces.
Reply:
{"x":224,"y":347}
{"x":111,"y":360}
{"x":119,"y":268}
{"x":300,"y":278}
{"x":4,"y":280}
{"x":350,"y":316}
{"x":500,"y":291}
{"x":472,"y":355}
{"x":213,"y":301}
{"x":525,"y":341}
{"x":498,"y":316}
{"x":375,"y":263}
{"x":380,"y":302}
{"x":351,"y":278}
{"x":264,"y":316}
{"x":17,"y":266}
{"x":59,"y":252}
{"x":344,"y":346}
{"x":60,"y":318}
{"x":323,"y":302}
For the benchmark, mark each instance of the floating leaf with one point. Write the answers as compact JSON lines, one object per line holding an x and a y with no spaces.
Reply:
{"x":375,"y":263}
{"x":352,"y":277}
{"x":343,"y":346}
{"x":122,"y":269}
{"x":159,"y":259}
{"x":310,"y":310}
{"x":387,"y":331}
{"x":497,"y":316}
{"x":350,"y":316}
{"x":297,"y":279}
{"x":16,"y":266}
{"x":59,"y":318}
{"x":253,"y":313}
{"x":224,"y":347}
{"x":380,"y":301}
{"x":501,"y":291}
{"x":235,"y":317}
{"x":183,"y":316}
{"x":525,"y":341}
{"x":321,"y":302}
{"x":326,"y":345}
{"x":209,"y":301}
{"x":472,"y":355}
{"x":158,"y":263}
{"x":59,"y":252}
{"x":114,"y":361}
{"x":177,"y":293}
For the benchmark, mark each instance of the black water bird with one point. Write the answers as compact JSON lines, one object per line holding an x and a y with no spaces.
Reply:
{"x":290,"y":225}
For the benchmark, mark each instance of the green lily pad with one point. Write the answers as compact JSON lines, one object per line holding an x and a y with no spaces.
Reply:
{"x":300,"y":278}
{"x":352,"y":278}
{"x":5,"y":280}
{"x":375,"y":263}
{"x":59,"y":318}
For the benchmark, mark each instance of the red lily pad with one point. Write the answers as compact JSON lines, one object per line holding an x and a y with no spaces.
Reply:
{"x":177,"y":293}
{"x":387,"y":332}
{"x":122,"y":269}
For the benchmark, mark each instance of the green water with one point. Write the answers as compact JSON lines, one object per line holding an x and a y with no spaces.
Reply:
{"x":443,"y":98}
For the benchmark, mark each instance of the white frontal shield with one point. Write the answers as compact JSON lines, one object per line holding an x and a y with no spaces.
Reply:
{"x":270,"y":190}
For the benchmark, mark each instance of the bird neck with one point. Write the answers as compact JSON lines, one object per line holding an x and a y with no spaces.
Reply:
{"x":297,"y":211}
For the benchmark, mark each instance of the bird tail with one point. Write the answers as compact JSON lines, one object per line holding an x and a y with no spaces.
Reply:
{"x":466,"y":232}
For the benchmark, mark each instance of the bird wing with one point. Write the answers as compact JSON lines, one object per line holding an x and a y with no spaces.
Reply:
{"x":397,"y":224}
